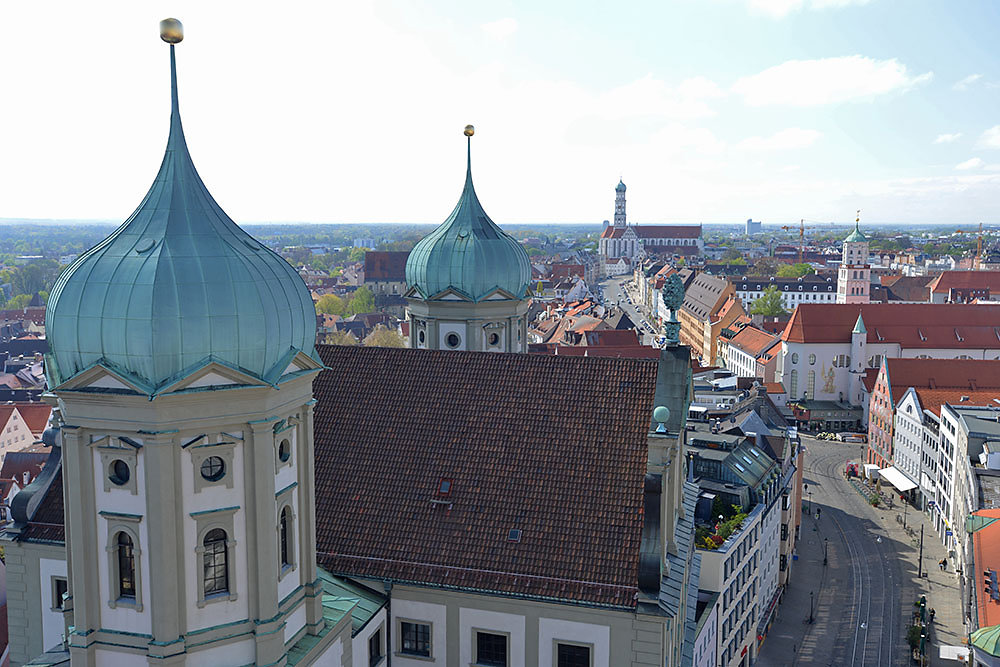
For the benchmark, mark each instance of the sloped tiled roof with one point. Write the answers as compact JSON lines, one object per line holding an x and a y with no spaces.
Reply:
{"x":986,"y":552}
{"x":35,"y":415}
{"x":47,"y":524}
{"x":966,"y":280}
{"x":753,"y":341}
{"x":704,"y":295}
{"x":954,"y":377}
{"x":385,"y":265}
{"x":907,"y":288}
{"x":667,"y":231}
{"x":913,"y":325}
{"x":15,"y":464}
{"x":612,"y":232}
{"x":553,"y":446}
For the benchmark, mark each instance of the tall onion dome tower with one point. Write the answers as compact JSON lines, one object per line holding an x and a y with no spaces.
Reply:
{"x":468,"y":281}
{"x":181,"y":364}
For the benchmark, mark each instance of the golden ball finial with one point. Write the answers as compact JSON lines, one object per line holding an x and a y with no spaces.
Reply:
{"x":171,"y":31}
{"x":469,"y":130}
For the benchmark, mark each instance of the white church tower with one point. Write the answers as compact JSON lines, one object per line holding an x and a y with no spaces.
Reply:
{"x":620,"y":205}
{"x":181,"y":366}
{"x":854,"y":276}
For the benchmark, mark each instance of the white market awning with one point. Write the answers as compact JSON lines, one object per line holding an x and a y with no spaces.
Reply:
{"x":897,"y":479}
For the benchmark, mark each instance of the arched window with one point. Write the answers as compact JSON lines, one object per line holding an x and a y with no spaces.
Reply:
{"x":793,"y":385}
{"x":216,"y":562}
{"x":126,"y":565}
{"x":285,"y":529}
{"x":811,"y":386}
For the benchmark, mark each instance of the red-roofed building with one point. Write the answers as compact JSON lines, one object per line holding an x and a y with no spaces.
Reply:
{"x":620,"y":240}
{"x":826,"y":348}
{"x":748,"y":353}
{"x":964,"y":286}
{"x":21,"y":424}
{"x":385,"y":271}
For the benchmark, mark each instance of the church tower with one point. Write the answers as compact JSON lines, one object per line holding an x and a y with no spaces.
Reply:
{"x":854,"y":277}
{"x":468,"y":281}
{"x":620,"y":205}
{"x":181,"y":366}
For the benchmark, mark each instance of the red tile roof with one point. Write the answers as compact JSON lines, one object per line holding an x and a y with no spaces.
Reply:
{"x":510,"y":432}
{"x":612,"y":337}
{"x":933,"y":399}
{"x":774,"y":387}
{"x":913,"y":325}
{"x":35,"y":416}
{"x":986,"y":555}
{"x":753,"y":341}
{"x":667,"y":231}
{"x":384,"y":265}
{"x":966,"y":280}
{"x":612,"y":232}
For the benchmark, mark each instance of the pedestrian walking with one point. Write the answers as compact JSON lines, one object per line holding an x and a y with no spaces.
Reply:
{"x":943,"y":564}
{"x":932,"y":614}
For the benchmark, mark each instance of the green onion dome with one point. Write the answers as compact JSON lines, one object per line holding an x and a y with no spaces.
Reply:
{"x":469,"y":254}
{"x":177,"y":286}
{"x":620,"y":187}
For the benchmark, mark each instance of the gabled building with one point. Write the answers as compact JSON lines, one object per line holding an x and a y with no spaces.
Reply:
{"x":710,"y":305}
{"x":385,"y":272}
{"x":826,"y":349}
{"x":464,"y":498}
{"x":964,"y":287}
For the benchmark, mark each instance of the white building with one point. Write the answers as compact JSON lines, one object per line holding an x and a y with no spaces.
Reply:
{"x":825,"y":349}
{"x":732,"y":571}
{"x":808,"y":289}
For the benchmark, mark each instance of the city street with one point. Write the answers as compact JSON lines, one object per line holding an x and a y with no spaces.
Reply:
{"x":861,"y":600}
{"x":613,"y":289}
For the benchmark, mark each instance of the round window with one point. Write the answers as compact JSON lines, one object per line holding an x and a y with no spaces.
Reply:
{"x":420,"y":337}
{"x":452,"y":340}
{"x":812,"y":359}
{"x":795,"y":357}
{"x":284,"y":450}
{"x":494,"y":339}
{"x":120,"y":473}
{"x":213,"y":468}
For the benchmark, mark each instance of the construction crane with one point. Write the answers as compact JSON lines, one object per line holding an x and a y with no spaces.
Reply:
{"x":802,"y":235}
{"x":979,"y":243}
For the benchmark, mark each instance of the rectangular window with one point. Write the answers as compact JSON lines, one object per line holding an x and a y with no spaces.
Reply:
{"x":59,"y":588}
{"x":572,"y":655}
{"x":491,"y":649}
{"x":415,"y":639}
{"x":375,"y":648}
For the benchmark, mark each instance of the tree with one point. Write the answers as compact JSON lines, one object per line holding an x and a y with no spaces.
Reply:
{"x":18,"y":302}
{"x":765,"y":266}
{"x":795,"y":270}
{"x":383,"y":337}
{"x":769,"y":304}
{"x":330,"y":304}
{"x":731,"y":255}
{"x":357,"y":254}
{"x":341,"y":338}
{"x":363,"y":301}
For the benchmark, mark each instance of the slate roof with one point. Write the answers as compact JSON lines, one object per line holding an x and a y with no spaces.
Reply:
{"x":913,"y":325}
{"x":15,"y":464}
{"x":47,"y":524}
{"x":704,"y":295}
{"x":554,"y":446}
{"x":385,"y":265}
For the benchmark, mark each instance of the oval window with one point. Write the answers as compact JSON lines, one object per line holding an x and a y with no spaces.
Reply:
{"x":120,"y":473}
{"x":452,"y":340}
{"x":795,"y":357}
{"x":494,"y":339}
{"x":213,"y":468}
{"x":420,"y":337}
{"x":812,"y":359}
{"x":284,"y":450}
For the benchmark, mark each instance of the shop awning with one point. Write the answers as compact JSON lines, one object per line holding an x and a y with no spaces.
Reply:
{"x":897,"y":479}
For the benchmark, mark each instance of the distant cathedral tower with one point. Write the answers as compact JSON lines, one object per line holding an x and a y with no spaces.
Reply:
{"x":854,"y":277}
{"x":181,"y":364}
{"x":468,"y":281}
{"x":620,"y":205}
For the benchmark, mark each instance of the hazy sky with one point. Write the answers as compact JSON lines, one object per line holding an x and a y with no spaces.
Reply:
{"x":711,"y":110}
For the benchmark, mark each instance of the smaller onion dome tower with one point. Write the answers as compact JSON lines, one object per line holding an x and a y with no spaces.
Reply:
{"x":468,"y":281}
{"x":854,"y":276}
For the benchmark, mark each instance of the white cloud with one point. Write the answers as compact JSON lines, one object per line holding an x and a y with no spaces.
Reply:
{"x":501,"y":29}
{"x":827,"y":80}
{"x":990,"y":138}
{"x":964,"y":84}
{"x":781,"y":8}
{"x":787,"y":139}
{"x":947,"y":138}
{"x":972,"y":163}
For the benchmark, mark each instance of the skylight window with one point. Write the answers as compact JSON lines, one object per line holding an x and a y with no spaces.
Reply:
{"x":444,"y":488}
{"x":739,"y":467}
{"x":514,"y":535}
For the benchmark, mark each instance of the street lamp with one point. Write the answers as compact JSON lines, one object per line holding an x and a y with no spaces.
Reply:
{"x":826,"y":543}
{"x":811,"y":619}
